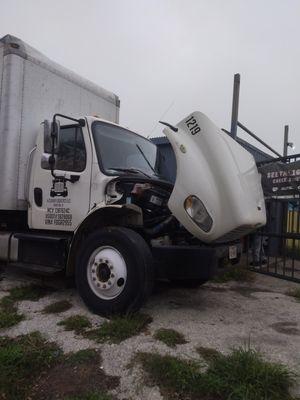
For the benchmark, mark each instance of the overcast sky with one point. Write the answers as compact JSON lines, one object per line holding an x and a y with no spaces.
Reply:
{"x":167,"y":58}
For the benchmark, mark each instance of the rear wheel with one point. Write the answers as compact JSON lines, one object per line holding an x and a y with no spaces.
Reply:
{"x":114,"y":272}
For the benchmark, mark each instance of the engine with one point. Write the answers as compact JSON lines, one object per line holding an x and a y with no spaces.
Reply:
{"x":150,"y":195}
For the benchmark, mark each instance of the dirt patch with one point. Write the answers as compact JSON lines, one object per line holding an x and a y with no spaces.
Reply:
{"x":288,"y":328}
{"x":248,"y":292}
{"x":73,"y":378}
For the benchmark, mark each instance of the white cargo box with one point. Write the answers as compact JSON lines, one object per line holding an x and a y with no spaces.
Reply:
{"x":32,"y":89}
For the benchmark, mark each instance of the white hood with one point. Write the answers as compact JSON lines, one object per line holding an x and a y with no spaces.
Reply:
{"x":221,"y":174}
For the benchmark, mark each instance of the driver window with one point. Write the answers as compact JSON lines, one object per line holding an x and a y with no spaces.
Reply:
{"x":72,"y":154}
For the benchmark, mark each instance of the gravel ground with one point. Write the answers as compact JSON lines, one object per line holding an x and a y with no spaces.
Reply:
{"x":221,"y":316}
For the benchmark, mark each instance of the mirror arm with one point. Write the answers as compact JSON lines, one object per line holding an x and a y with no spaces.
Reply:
{"x":81,"y":122}
{"x":52,"y":157}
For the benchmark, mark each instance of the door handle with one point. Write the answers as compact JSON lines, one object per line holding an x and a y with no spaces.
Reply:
{"x":38,"y":196}
{"x":74,"y":178}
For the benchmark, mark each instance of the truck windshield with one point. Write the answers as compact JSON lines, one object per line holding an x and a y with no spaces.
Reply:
{"x":119,"y":149}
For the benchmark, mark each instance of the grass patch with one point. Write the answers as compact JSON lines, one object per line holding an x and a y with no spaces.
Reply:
{"x":9,"y":314}
{"x":237,"y":273}
{"x":82,"y":356}
{"x":30,"y":292}
{"x":119,"y":328}
{"x":9,"y":317}
{"x":77,"y":323}
{"x":90,"y":396}
{"x":294,"y":293}
{"x":242,"y":375}
{"x":170,"y":337}
{"x":22,"y":359}
{"x":208,"y":354}
{"x":57,"y":307}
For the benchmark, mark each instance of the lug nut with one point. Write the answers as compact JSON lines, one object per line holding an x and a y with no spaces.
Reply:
{"x":94,"y":279}
{"x":109,"y":282}
{"x":112,"y":275}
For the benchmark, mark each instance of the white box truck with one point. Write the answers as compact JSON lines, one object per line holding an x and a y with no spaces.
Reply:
{"x":82,"y":196}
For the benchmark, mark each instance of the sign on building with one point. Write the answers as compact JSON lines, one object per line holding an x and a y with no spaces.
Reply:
{"x":280,"y":179}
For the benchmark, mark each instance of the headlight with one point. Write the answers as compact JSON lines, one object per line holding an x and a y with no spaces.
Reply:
{"x":197,"y":211}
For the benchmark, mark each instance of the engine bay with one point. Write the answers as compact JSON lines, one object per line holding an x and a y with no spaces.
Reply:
{"x":152,"y":196}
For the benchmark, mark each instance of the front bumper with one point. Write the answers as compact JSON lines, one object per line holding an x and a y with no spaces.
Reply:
{"x":184,"y":262}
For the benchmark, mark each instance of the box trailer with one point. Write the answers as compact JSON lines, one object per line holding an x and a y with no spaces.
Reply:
{"x":83,"y":197}
{"x":33,"y":88}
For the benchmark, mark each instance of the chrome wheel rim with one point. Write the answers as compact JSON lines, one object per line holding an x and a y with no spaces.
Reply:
{"x":107,"y":272}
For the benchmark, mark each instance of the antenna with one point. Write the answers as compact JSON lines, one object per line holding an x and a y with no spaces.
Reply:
{"x":160,"y":118}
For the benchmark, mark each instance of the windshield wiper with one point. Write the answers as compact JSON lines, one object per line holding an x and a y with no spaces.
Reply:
{"x":134,"y":170}
{"x":145,"y":158}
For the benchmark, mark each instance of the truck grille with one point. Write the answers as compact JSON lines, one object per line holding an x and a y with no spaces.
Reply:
{"x":235,"y":233}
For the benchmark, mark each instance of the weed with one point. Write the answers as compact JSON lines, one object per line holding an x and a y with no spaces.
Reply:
{"x":242,"y":375}
{"x":119,"y":328}
{"x":208,"y":354}
{"x":77,"y":323}
{"x":237,"y":273}
{"x":294,"y":293}
{"x":9,"y":315}
{"x":170,"y":337}
{"x":22,"y":359}
{"x":82,"y":356}
{"x":30,"y":292}
{"x":57,"y":307}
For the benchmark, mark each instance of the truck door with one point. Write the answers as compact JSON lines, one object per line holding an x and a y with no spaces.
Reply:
{"x":61,"y":202}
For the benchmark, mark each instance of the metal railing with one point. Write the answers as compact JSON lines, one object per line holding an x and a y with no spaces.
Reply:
{"x":278,"y":243}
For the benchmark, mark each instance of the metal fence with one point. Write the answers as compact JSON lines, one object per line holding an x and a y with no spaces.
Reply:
{"x":275,"y":249}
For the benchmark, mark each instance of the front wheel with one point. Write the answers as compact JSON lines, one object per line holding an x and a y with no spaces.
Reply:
{"x":114,"y":272}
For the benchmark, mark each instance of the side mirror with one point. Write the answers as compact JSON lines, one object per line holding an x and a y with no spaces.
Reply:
{"x":51,"y":136}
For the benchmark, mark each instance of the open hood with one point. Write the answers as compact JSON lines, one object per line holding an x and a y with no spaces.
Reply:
{"x":217,"y":194}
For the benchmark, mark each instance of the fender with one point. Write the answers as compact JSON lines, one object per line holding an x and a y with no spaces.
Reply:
{"x":100,"y":216}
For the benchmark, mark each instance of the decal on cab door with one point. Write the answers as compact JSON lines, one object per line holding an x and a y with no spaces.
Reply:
{"x":58,"y":212}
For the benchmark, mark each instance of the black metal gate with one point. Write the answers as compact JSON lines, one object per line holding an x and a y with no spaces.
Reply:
{"x":275,"y":249}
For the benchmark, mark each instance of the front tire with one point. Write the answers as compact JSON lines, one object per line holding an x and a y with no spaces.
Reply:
{"x":114,"y":272}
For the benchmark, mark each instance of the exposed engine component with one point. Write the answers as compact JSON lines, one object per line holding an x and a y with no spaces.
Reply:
{"x":150,"y":196}
{"x":112,"y":194}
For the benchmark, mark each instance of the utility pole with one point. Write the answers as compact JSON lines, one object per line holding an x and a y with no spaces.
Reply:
{"x":235,"y":105}
{"x":286,"y":143}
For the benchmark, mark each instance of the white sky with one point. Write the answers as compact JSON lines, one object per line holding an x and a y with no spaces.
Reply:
{"x":173,"y":57}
